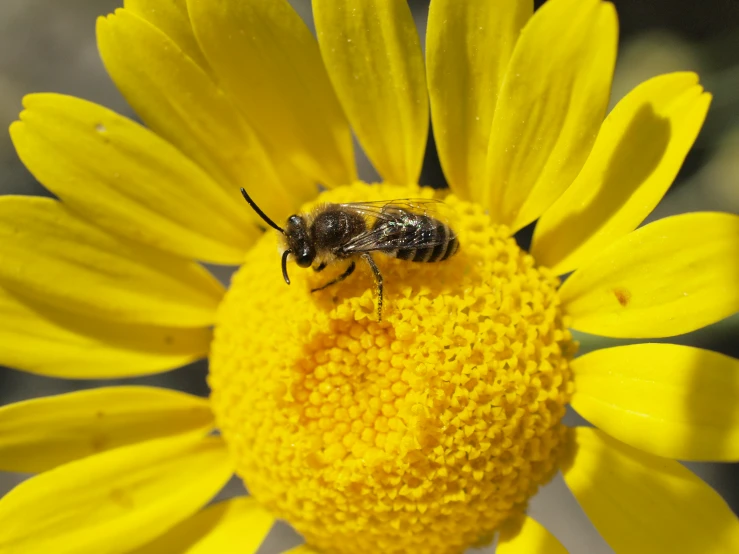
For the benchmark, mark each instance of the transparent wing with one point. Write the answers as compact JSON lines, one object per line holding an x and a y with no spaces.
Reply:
{"x":397,"y":224}
{"x":390,"y":209}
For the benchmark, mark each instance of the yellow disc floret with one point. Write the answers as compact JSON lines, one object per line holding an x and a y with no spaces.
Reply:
{"x":421,"y":433}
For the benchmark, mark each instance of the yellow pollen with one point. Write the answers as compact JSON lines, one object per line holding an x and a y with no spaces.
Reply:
{"x":421,"y":433}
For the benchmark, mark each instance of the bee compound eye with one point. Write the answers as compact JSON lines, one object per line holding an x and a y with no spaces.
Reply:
{"x":304,"y":260}
{"x":304,"y":256}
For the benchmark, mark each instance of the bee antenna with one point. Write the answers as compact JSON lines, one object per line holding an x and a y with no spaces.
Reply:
{"x":261,"y":214}
{"x":285,"y":254}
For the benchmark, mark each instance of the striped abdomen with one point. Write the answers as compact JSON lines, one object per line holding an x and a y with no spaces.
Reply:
{"x":425,"y":239}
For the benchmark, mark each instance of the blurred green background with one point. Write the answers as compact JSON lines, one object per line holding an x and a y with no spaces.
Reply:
{"x":47,"y":45}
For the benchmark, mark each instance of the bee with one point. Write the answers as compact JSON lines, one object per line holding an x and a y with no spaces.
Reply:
{"x":404,"y":229}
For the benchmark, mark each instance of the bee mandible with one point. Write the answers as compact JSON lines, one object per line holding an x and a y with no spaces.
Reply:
{"x":403,"y":229}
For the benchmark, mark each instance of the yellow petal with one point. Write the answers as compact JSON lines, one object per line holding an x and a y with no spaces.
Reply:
{"x":550,"y":107}
{"x":468,"y":46}
{"x":373,"y":55}
{"x":636,"y":156}
{"x":642,"y":504}
{"x":172,"y":18}
{"x":41,"y":339}
{"x":43,"y":433}
{"x":670,"y":277}
{"x":672,"y":401}
{"x":267,"y":60}
{"x":302,"y":549}
{"x":52,"y":256}
{"x":181,"y":102}
{"x":115,"y":501}
{"x":238,"y":525}
{"x":527,"y":536}
{"x":127,"y":180}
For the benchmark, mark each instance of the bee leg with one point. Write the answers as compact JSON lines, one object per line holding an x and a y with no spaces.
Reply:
{"x":320,"y":267}
{"x":339,"y":279}
{"x":378,"y":279}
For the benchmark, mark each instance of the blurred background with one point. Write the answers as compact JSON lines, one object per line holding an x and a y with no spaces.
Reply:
{"x":47,"y":45}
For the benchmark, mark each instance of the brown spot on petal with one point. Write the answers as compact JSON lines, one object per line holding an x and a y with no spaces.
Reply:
{"x":122,"y":498}
{"x":98,"y":443}
{"x":622,"y":295}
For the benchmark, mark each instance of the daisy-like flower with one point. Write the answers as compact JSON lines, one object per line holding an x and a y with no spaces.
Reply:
{"x":428,"y":431}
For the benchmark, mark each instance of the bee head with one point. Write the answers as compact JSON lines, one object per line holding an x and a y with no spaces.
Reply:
{"x":299,"y":241}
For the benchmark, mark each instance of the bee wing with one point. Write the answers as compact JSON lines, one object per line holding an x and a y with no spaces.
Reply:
{"x":391,"y":209}
{"x":392,"y":227}
{"x":387,"y":238}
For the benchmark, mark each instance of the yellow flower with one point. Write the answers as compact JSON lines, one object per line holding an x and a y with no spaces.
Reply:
{"x":428,"y":431}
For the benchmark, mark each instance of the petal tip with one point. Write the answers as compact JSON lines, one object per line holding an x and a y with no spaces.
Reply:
{"x":29,"y":99}
{"x":15,"y":127}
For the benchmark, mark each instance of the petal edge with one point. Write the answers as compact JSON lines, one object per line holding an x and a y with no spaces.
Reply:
{"x":643,"y":504}
{"x":50,"y":255}
{"x":636,"y":156}
{"x":373,"y":57}
{"x":667,"y":278}
{"x":468,"y":46}
{"x":525,"y":535}
{"x":284,"y":92}
{"x":115,"y":501}
{"x":39,"y":434}
{"x":669,"y":400}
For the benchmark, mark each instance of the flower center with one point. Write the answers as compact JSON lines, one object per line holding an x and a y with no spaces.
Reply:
{"x":420,"y":433}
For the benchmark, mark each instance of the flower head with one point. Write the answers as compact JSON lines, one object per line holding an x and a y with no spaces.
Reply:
{"x":428,"y":430}
{"x":435,"y":424}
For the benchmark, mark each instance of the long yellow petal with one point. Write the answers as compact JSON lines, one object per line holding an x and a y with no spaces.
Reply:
{"x":673,"y":401}
{"x":373,"y":56}
{"x":636,"y":156}
{"x":182,"y":103}
{"x":550,"y":107}
{"x":670,"y":277}
{"x":116,"y":501}
{"x":527,"y":536}
{"x":172,"y":18}
{"x":302,"y":549}
{"x":39,"y":434}
{"x":468,"y":46}
{"x":642,"y":504}
{"x":238,"y":525}
{"x":49,"y":254}
{"x":45,"y":340}
{"x":127,"y":180}
{"x":267,"y":60}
